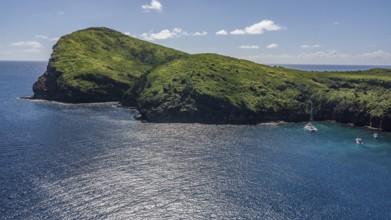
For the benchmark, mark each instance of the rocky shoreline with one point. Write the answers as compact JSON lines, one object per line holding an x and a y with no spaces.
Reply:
{"x":171,"y":119}
{"x":168,"y":86}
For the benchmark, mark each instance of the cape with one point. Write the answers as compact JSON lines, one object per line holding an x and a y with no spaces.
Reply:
{"x":167,"y":85}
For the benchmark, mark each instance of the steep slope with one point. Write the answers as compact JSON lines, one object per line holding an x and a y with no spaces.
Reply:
{"x":211,"y":88}
{"x":219,"y":89}
{"x":166,"y":85}
{"x":360,"y":97}
{"x":98,"y":64}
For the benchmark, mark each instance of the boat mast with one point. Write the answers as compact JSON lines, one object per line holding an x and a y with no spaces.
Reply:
{"x":312,"y":116}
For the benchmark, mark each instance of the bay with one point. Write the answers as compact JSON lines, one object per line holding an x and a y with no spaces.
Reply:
{"x":76,"y":161}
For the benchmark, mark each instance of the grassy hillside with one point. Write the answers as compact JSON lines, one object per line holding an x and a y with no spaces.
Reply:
{"x":218,"y":89}
{"x":166,"y":85}
{"x":223,"y":85}
{"x":361,"y":97}
{"x":98,"y":64}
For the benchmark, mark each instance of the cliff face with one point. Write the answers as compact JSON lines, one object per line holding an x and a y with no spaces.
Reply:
{"x":52,"y":86}
{"x":211,"y":88}
{"x":99,"y":64}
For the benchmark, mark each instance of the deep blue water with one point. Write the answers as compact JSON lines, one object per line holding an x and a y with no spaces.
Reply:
{"x":311,"y":67}
{"x":60,"y":161}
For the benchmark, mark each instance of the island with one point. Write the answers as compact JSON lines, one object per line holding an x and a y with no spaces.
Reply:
{"x":167,"y":85}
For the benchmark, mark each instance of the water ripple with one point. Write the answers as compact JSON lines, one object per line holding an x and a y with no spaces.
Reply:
{"x":96,"y":162}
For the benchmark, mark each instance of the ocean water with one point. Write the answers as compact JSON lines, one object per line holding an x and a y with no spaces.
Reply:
{"x":312,"y":67}
{"x":94,"y":161}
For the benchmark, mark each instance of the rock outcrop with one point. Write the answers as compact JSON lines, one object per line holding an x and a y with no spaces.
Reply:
{"x":166,"y":85}
{"x":98,"y":65}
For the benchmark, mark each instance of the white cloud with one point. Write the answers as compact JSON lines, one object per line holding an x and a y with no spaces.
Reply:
{"x":249,"y":47}
{"x":44,"y":37}
{"x":60,"y":13}
{"x":127,"y":33}
{"x":379,"y":54}
{"x":221,"y":32}
{"x":322,"y":57}
{"x":327,"y":53}
{"x":54,"y":39}
{"x":200,"y":33}
{"x":258,"y":28}
{"x":155,"y":5}
{"x":32,"y":50}
{"x":162,"y":35}
{"x":336,"y":22}
{"x":31,"y":44}
{"x":26,"y":47}
{"x":167,"y":34}
{"x":309,"y":46}
{"x":40,"y":36}
{"x":378,"y":57}
{"x":237,"y":32}
{"x":271,"y":46}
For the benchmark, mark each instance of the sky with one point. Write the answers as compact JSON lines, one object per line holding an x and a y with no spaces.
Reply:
{"x":355,"y":32}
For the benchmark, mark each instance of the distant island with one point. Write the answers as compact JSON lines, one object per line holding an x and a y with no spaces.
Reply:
{"x":167,"y":85}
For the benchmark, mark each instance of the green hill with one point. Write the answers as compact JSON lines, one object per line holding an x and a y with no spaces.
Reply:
{"x":166,"y":85}
{"x":211,"y":88}
{"x":98,"y":64}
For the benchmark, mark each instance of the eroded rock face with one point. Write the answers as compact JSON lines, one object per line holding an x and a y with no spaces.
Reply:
{"x":40,"y":88}
{"x":209,"y":110}
{"x":99,"y":65}
{"x":50,"y":87}
{"x":46,"y":85}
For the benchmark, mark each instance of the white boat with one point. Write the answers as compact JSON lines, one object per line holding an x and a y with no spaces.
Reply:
{"x":359,"y":141}
{"x":309,"y":126}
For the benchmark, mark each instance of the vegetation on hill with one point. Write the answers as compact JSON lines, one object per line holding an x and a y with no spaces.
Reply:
{"x":359,"y":97}
{"x":99,"y":64}
{"x":211,"y":88}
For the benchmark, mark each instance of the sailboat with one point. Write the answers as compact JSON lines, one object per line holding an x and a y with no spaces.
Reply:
{"x":309,"y":126}
{"x":359,"y":141}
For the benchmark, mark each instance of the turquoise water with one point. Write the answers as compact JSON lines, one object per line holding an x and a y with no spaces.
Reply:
{"x":61,"y":161}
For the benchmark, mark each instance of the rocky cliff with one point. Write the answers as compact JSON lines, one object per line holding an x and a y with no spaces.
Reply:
{"x":166,"y":85}
{"x":97,"y":65}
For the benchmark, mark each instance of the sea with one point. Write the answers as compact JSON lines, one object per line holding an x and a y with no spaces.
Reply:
{"x":94,"y":161}
{"x":329,"y":67}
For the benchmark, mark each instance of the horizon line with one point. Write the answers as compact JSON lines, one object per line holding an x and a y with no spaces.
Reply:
{"x":269,"y":64}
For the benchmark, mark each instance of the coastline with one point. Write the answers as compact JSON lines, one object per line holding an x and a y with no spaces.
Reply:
{"x":31,"y":98}
{"x":139,"y":117}
{"x":172,"y":86}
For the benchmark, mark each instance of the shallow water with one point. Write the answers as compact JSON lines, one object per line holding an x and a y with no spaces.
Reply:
{"x":61,"y":161}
